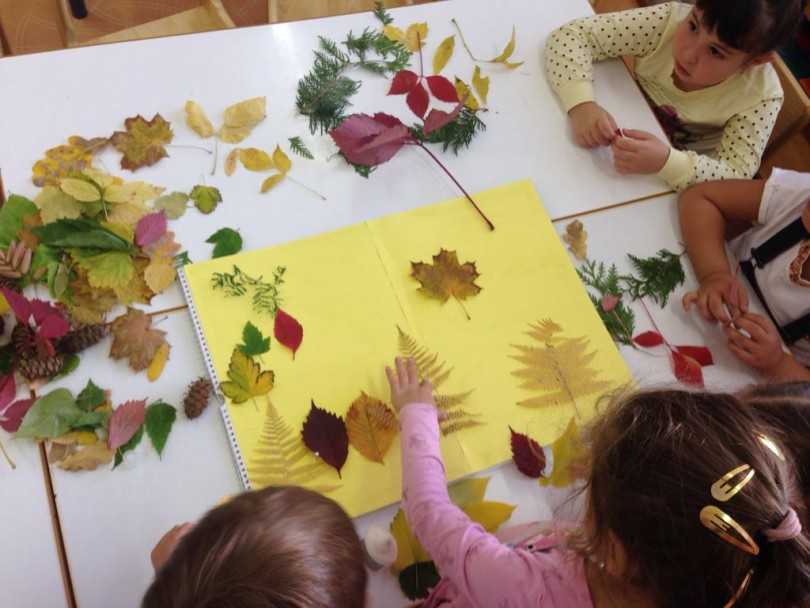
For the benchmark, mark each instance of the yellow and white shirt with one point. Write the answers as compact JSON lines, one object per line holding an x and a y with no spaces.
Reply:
{"x":718,"y":132}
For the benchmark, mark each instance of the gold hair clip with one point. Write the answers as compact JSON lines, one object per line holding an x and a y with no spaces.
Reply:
{"x":771,"y":445}
{"x":727,"y":528}
{"x":723,"y":490}
{"x":741,"y":589}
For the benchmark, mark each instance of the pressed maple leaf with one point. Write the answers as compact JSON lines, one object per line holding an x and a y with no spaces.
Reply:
{"x":446,"y":277}
{"x":324,"y":433}
{"x":246,"y":378}
{"x":142,"y":144}
{"x":288,"y":331}
{"x":527,"y":455}
{"x":134,"y":339}
{"x":371,"y":426}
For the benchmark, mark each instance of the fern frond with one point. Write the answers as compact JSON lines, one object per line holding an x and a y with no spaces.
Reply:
{"x":460,"y":425}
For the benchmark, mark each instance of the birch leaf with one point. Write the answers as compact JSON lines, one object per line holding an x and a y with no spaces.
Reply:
{"x":81,"y":190}
{"x":325,"y":435}
{"x":197,"y":120}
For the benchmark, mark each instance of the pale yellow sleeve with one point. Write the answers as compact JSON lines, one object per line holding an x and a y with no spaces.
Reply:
{"x":572,"y":49}
{"x":737,"y":157}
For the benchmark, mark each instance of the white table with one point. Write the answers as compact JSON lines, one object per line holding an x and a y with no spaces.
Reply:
{"x":110,"y":520}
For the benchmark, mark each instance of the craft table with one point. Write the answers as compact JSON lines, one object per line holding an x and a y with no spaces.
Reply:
{"x":111,"y":519}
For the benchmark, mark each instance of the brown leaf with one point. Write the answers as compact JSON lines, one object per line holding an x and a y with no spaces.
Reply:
{"x":142,"y":142}
{"x":446,"y":277}
{"x":230,"y":162}
{"x":577,"y":239}
{"x":135,"y":340}
{"x":88,"y":458}
{"x":371,"y":426}
{"x":88,"y":305}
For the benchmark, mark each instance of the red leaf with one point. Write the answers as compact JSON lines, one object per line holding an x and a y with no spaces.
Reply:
{"x":325,"y":434}
{"x":387,"y":119}
{"x":125,"y":422}
{"x":649,"y":339}
{"x":529,"y":457}
{"x":701,"y":354}
{"x":8,"y":390}
{"x":366,"y":140}
{"x":417,"y":100}
{"x":436,"y":119}
{"x":288,"y":331}
{"x":150,"y":228}
{"x":54,"y":326}
{"x":12,"y":417}
{"x":43,"y":310}
{"x":442,"y":88}
{"x":687,"y":370}
{"x":404,"y":81}
{"x":609,"y":302}
{"x":19,"y":304}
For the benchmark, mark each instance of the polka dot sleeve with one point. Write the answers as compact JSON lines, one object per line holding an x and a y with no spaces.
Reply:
{"x":571,"y":50}
{"x":738,"y":155}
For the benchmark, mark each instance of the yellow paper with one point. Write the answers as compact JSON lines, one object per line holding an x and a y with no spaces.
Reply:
{"x":351,"y":289}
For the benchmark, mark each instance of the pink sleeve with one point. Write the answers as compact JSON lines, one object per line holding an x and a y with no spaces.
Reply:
{"x":486,"y":572}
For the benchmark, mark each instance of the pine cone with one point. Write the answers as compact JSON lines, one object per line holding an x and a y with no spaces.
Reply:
{"x":15,"y":261}
{"x":199,"y":392}
{"x":33,"y":369}
{"x":11,"y":284}
{"x":23,"y":338}
{"x":81,"y":338}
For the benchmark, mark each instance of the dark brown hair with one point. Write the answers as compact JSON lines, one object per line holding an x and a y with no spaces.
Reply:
{"x":654,"y":458}
{"x":753,"y":26}
{"x":281,"y":547}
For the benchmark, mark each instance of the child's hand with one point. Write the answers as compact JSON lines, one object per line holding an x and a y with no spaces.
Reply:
{"x":405,"y":385}
{"x":593,"y":126}
{"x":719,"y":294}
{"x":639,"y":152}
{"x":166,"y":545}
{"x":763,"y":350}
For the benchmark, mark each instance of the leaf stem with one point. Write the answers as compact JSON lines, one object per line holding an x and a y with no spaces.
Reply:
{"x":305,"y":187}
{"x":216,"y":157}
{"x":190,"y":147}
{"x":655,"y":325}
{"x":463,"y":41}
{"x":460,"y":303}
{"x":455,"y":181}
{"x":421,"y":63}
{"x":7,"y":457}
{"x":627,"y":333}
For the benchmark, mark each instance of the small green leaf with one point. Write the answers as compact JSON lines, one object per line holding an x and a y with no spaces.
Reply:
{"x":418,"y":579}
{"x":206,"y":198}
{"x":71,"y":363}
{"x":300,"y":148}
{"x":50,"y":416}
{"x":254,"y":341}
{"x":11,"y":217}
{"x":181,"y":259}
{"x":160,"y":417}
{"x":93,"y":419}
{"x":128,"y":446}
{"x":45,"y":257}
{"x":90,"y":397}
{"x":226,"y":242}
{"x":174,"y":205}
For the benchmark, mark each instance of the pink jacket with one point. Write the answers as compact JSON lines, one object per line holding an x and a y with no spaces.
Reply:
{"x":477,"y":569}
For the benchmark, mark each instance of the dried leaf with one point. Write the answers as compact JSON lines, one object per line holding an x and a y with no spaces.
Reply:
{"x":159,"y":274}
{"x":134,"y":339}
{"x":403,"y":82}
{"x":609,"y":302}
{"x":12,"y":416}
{"x":271,"y":182}
{"x":701,"y":354}
{"x":127,"y":214}
{"x":142,"y":142}
{"x":150,"y":228}
{"x":569,"y":456}
{"x":133,"y":193}
{"x":159,"y":421}
{"x":649,"y":339}
{"x":281,"y":161}
{"x":577,"y":239}
{"x":503,"y":58}
{"x":12,"y":215}
{"x":88,"y":305}
{"x":254,"y":159}
{"x":81,"y":190}
{"x":157,"y":364}
{"x":246,"y":379}
{"x":227,"y":241}
{"x":88,"y":458}
{"x":446,"y":277}
{"x":253,"y":341}
{"x":370,"y":140}
{"x":288,"y":331}
{"x":418,"y":100}
{"x":467,"y":491}
{"x":481,"y":84}
{"x":91,"y":397}
{"x":197,"y":120}
{"x":442,"y":89}
{"x":437,"y":119}
{"x":128,"y":446}
{"x":371,"y":426}
{"x":230,"y":161}
{"x":59,"y":162}
{"x":50,"y":416}
{"x":464,"y":92}
{"x":687,"y":370}
{"x":240,"y":118}
{"x":174,"y":205}
{"x":56,"y":205}
{"x":413,"y":38}
{"x":206,"y":198}
{"x":233,"y":135}
{"x":528,"y":456}
{"x":126,"y":419}
{"x":490,"y":515}
{"x":443,"y":54}
{"x":110,"y":269}
{"x":325,"y":435}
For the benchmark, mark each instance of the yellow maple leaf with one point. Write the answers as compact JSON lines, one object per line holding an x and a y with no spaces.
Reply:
{"x":254,"y":159}
{"x":88,"y":458}
{"x":81,"y":190}
{"x":466,"y":94}
{"x":135,"y":193}
{"x":446,"y":277}
{"x":371,"y":426}
{"x":271,"y":182}
{"x":155,"y":368}
{"x":197,"y":120}
{"x":246,"y":378}
{"x":142,"y":144}
{"x":230,"y":161}
{"x":443,"y":54}
{"x":281,"y":161}
{"x":569,"y":458}
{"x":481,"y":84}
{"x":55,"y":205}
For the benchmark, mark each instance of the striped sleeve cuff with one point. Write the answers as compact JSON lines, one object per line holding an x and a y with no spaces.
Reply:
{"x":677,"y":169}
{"x":574,"y":93}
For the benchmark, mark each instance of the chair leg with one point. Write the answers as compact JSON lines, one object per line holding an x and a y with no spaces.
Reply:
{"x":78,"y":8}
{"x":5,"y":48}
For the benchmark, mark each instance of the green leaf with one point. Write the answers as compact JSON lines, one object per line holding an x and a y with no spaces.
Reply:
{"x":111,"y":270}
{"x":92,"y":419}
{"x":206,"y":198}
{"x":226,"y":242}
{"x":254,"y":341}
{"x":71,"y":363}
{"x":82,"y":234}
{"x":128,"y":446}
{"x":90,"y":397}
{"x":298,"y":146}
{"x":11,"y":217}
{"x":655,"y":277}
{"x":181,"y":259}
{"x":174,"y":205}
{"x":417,"y":579}
{"x":6,"y":358}
{"x":50,"y":416}
{"x":160,"y":417}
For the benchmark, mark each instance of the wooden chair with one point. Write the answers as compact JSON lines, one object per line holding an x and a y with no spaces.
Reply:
{"x":207,"y":16}
{"x":280,"y":11}
{"x":795,"y":114}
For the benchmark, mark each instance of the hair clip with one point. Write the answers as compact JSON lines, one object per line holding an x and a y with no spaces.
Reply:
{"x":741,"y":589}
{"x":727,"y":528}
{"x":723,"y":491}
{"x":771,"y":445}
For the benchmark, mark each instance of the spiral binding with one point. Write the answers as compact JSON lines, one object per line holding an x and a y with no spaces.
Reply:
{"x":209,"y":366}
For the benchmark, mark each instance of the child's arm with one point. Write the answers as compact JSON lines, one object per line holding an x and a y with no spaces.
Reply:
{"x":705,"y":212}
{"x":485,"y":571}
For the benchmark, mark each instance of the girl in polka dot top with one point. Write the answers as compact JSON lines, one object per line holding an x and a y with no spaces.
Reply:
{"x":705,"y":69}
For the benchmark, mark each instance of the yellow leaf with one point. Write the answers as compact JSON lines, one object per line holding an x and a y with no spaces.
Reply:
{"x":409,"y":549}
{"x":126,"y":213}
{"x":392,"y":32}
{"x":469,"y":490}
{"x":131,"y":192}
{"x":246,"y":378}
{"x":569,"y":458}
{"x":371,"y":426}
{"x":109,"y":269}
{"x":491,"y":515}
{"x":507,"y":51}
{"x":415,"y":36}
{"x":240,"y":118}
{"x":59,"y":162}
{"x":512,"y":66}
{"x":464,"y":92}
{"x":233,"y":135}
{"x":271,"y":181}
{"x":56,"y":205}
{"x":230,"y":161}
{"x":135,"y":290}
{"x":281,"y":161}
{"x":155,"y":368}
{"x":125,"y":231}
{"x":197,"y":120}
{"x":76,"y":437}
{"x":577,"y":238}
{"x":79,"y":189}
{"x":443,"y":54}
{"x":101,"y":179}
{"x":255,"y":159}
{"x":4,"y":307}
{"x":88,"y":458}
{"x":481,"y":84}
{"x":160,"y":273}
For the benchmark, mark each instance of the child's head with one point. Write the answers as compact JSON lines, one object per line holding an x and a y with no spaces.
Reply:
{"x":721,"y":37}
{"x":281,"y":547}
{"x":657,"y":461}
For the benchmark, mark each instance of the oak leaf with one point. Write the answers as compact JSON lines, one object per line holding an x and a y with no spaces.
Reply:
{"x":134,"y":339}
{"x":371,"y":426}
{"x":197,"y":120}
{"x":246,"y":378}
{"x":446,"y":277}
{"x":324,"y":433}
{"x":142,"y":144}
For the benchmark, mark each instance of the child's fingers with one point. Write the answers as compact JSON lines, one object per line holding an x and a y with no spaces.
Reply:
{"x":757,"y":332}
{"x":763,"y":325}
{"x":413,"y":373}
{"x":636,"y":134}
{"x":735,"y":337}
{"x":392,"y":379}
{"x":402,"y":373}
{"x":689,"y":300}
{"x":624,"y":145}
{"x":427,"y":385}
{"x":607,"y":129}
{"x":717,"y":307}
{"x":742,"y":355}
